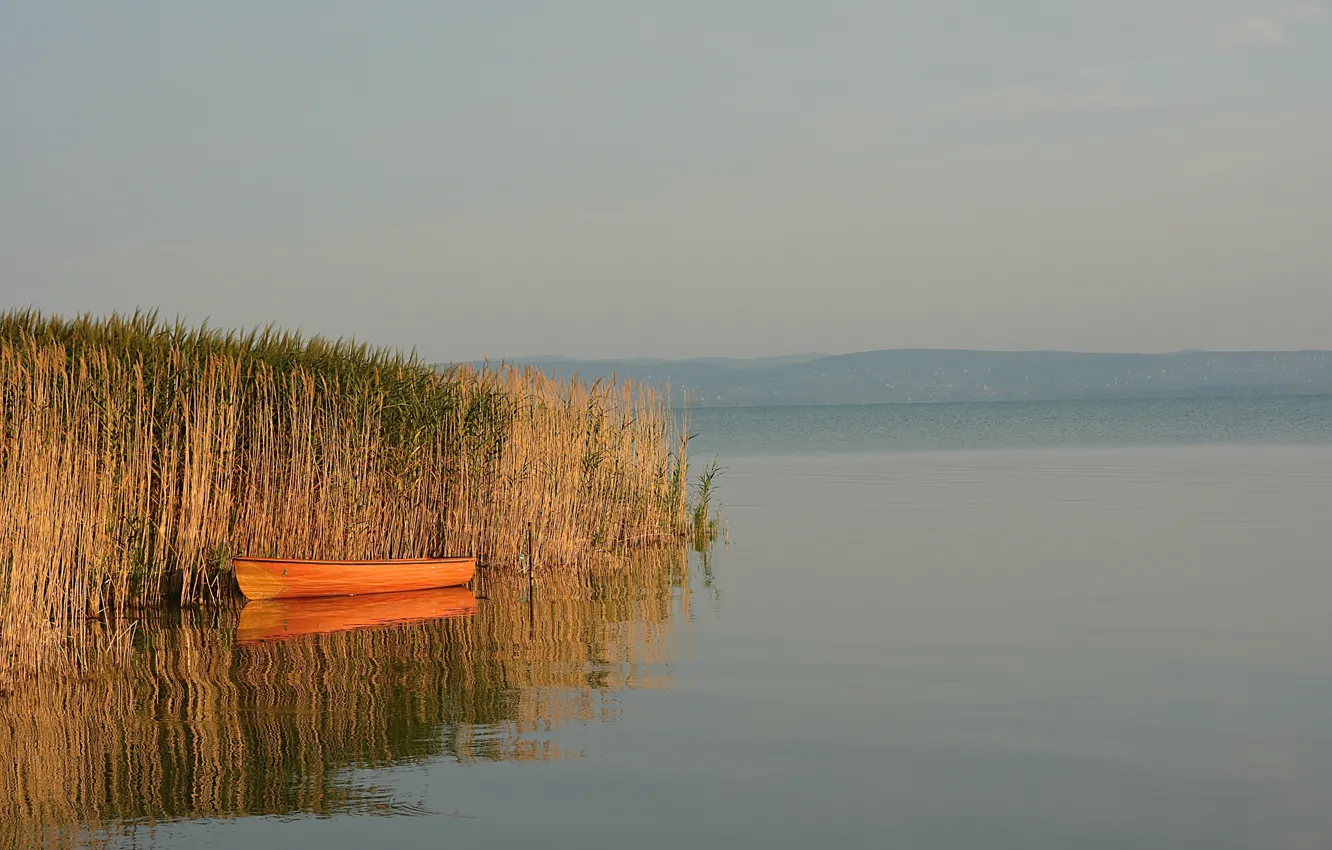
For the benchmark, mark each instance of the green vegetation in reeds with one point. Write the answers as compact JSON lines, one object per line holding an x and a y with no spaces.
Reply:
{"x":138,"y":457}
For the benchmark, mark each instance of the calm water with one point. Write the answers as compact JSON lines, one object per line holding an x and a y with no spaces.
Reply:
{"x":1292,"y":420}
{"x":961,"y":626}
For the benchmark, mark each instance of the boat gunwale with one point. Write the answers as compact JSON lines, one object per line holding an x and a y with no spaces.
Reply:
{"x":449,"y":559}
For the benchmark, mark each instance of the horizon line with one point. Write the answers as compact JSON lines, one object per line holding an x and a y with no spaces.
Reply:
{"x":912,"y":349}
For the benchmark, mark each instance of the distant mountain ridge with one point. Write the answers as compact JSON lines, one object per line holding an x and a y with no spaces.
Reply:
{"x":937,"y":375}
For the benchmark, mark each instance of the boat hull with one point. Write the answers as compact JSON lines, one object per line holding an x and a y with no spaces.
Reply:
{"x":278,"y":578}
{"x":280,"y":619}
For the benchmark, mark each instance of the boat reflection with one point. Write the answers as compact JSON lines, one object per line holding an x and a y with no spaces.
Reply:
{"x":281,"y":619}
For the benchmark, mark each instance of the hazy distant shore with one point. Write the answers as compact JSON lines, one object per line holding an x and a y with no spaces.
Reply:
{"x":939,"y":375}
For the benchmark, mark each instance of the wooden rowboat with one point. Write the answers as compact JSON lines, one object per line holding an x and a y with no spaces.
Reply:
{"x":279,"y":578}
{"x":279,"y":619}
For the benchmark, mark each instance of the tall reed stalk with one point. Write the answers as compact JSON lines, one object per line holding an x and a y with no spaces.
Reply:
{"x":137,"y":458}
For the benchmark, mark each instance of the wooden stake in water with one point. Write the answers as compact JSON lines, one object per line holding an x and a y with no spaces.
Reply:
{"x":480,"y":586}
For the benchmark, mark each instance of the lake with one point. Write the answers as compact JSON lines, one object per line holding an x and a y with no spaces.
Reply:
{"x":1081,"y":624}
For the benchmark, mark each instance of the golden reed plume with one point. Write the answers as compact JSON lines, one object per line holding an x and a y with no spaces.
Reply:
{"x":137,"y":458}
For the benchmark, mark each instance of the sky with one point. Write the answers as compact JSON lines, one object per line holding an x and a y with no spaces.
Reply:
{"x":679,"y":178}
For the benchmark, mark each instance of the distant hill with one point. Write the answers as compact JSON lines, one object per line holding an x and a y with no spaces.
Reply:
{"x":933,"y":375}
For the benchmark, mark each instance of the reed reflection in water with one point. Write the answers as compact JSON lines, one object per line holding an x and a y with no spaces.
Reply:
{"x":212,"y":717}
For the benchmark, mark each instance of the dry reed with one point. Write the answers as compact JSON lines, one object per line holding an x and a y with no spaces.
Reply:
{"x":137,"y":458}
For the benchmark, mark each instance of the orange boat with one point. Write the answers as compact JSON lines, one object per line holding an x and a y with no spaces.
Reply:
{"x":278,"y":619}
{"x":279,"y":578}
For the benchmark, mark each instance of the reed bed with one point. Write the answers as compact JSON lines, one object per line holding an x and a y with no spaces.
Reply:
{"x":137,"y":458}
{"x":211,"y":729}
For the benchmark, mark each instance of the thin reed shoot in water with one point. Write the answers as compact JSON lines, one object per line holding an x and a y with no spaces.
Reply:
{"x":704,"y":522}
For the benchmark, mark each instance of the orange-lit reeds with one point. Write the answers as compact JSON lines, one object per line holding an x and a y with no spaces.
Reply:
{"x":137,"y":458}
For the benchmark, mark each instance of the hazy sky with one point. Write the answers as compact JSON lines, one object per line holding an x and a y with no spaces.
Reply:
{"x":678,"y":178}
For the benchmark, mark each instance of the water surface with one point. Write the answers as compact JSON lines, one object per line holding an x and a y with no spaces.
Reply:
{"x":1284,"y":420}
{"x":978,"y":640}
